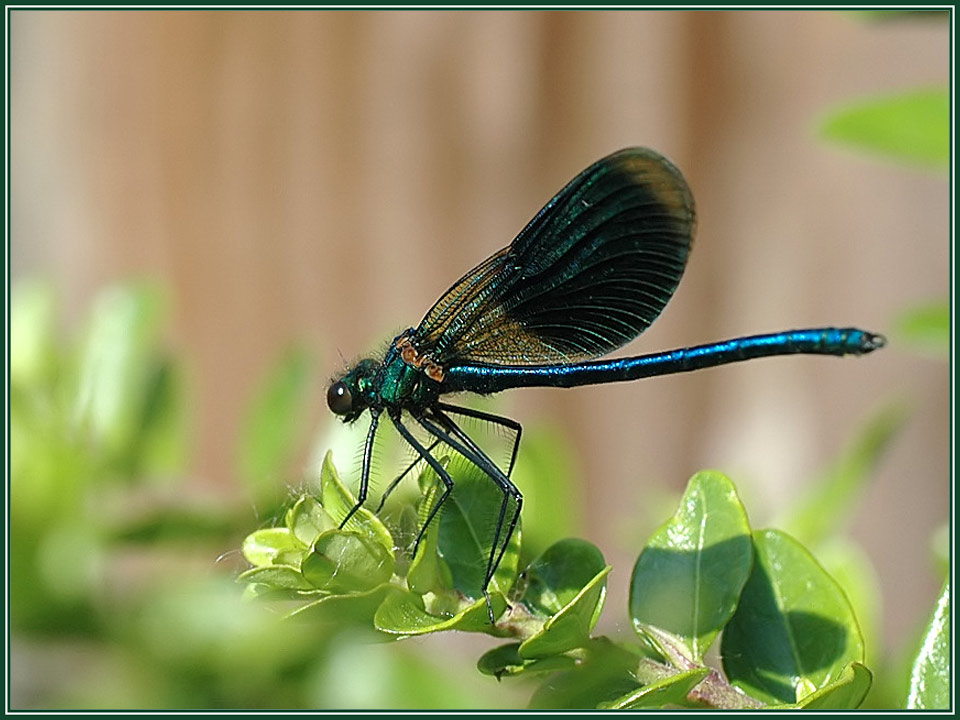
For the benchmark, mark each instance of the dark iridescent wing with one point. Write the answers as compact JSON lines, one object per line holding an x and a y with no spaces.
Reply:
{"x":588,"y":274}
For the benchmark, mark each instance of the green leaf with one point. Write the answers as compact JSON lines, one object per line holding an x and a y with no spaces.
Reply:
{"x":669,"y":691}
{"x":428,"y":572}
{"x":830,"y":501}
{"x":404,"y":614}
{"x":925,"y":328}
{"x":345,"y":561}
{"x":264,"y":547}
{"x":282,"y":577}
{"x":845,"y":693}
{"x":337,"y":501}
{"x":560,"y":574}
{"x":606,"y":670}
{"x":930,"y":675}
{"x":912,"y":126}
{"x":794,"y":630}
{"x":307,"y":519}
{"x":570,"y":627}
{"x":275,"y":423}
{"x":467,"y":527}
{"x":505,"y":661}
{"x":688,"y":578}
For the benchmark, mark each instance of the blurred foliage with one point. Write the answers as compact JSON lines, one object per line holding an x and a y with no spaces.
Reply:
{"x":925,"y":329}
{"x":87,"y":421}
{"x":274,"y":425}
{"x":831,"y":499}
{"x":923,"y":14}
{"x":911,"y":127}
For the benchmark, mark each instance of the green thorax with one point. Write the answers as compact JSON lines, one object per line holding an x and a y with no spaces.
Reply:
{"x":398,"y":384}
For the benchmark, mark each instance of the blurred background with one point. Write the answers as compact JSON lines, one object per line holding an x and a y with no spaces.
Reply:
{"x":290,"y":189}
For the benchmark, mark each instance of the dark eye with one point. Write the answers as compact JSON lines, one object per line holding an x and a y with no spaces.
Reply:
{"x":339,"y":399}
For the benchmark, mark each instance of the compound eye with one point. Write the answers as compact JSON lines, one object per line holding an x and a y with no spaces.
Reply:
{"x":339,"y":399}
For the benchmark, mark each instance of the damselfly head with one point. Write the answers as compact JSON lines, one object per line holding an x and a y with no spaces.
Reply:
{"x":350,"y":395}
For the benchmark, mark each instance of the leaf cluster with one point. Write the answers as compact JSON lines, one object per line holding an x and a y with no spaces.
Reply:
{"x":705,"y":585}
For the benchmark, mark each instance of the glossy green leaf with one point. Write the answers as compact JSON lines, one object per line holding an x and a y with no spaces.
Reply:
{"x":570,"y":627}
{"x":343,"y":561}
{"x":404,"y":614}
{"x":845,"y":693}
{"x":669,"y":691}
{"x":606,"y":670}
{"x":930,"y":674}
{"x":337,"y":501}
{"x":561,"y":572}
{"x":467,"y":527}
{"x":926,"y":328}
{"x":284,"y":577}
{"x":912,"y":126}
{"x":264,"y":547}
{"x":275,"y":423}
{"x":505,"y":661}
{"x":794,"y":630}
{"x":828,"y":502}
{"x":689,"y":576}
{"x":307,"y":519}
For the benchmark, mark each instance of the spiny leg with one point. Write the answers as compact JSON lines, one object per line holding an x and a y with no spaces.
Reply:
{"x":437,"y":468}
{"x":507,"y":486}
{"x":509,"y":423}
{"x":475,"y":455}
{"x":402,"y":475}
{"x":512,"y":426}
{"x":365,"y":470}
